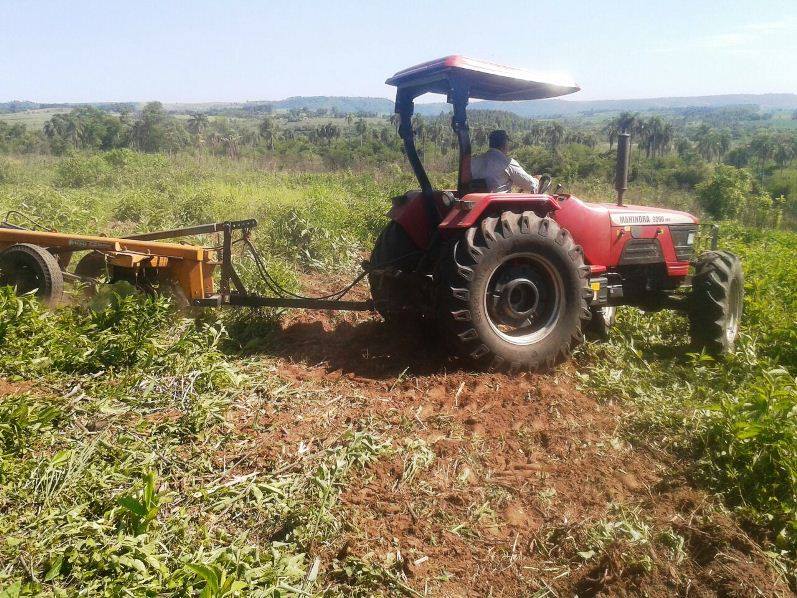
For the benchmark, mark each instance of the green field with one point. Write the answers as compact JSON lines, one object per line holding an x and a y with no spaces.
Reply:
{"x":31,"y":118}
{"x":145,"y":453}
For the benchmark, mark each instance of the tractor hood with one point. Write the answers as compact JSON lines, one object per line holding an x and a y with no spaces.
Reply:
{"x":641,"y":215}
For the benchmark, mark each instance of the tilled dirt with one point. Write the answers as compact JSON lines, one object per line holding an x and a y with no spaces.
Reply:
{"x":530,"y":488}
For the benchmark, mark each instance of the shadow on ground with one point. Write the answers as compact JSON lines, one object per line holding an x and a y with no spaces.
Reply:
{"x":367,"y":348}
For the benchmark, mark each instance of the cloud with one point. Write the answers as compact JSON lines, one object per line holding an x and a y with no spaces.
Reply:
{"x":741,"y":39}
{"x":787,"y":24}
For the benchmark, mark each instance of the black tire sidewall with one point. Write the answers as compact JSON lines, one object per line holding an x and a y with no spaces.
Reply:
{"x":711,"y":308}
{"x":43,"y":263}
{"x":560,"y":337}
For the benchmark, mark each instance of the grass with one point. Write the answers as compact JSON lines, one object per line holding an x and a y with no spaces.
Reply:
{"x":33,"y":119}
{"x":733,"y":418}
{"x":102,"y":491}
{"x":118,"y":465}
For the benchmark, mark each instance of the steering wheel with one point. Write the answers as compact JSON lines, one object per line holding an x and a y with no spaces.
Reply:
{"x":545,"y":183}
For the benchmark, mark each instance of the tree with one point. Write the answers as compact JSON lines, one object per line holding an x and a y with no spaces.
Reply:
{"x":197,"y":123}
{"x":156,"y":131}
{"x":655,"y":136}
{"x":611,"y":130}
{"x":783,"y":153}
{"x":267,"y":131}
{"x":554,"y":135}
{"x":762,"y":149}
{"x":328,"y":132}
{"x":707,"y":142}
{"x":628,"y":122}
{"x":360,"y":129}
{"x":149,"y":130}
{"x":725,"y":194}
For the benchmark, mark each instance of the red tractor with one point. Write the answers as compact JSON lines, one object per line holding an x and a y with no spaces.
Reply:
{"x":515,"y":280}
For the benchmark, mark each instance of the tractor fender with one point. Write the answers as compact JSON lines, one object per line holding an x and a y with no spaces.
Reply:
{"x":411,"y":213}
{"x":474,"y":206}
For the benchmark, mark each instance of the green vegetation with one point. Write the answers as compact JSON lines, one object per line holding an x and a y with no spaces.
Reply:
{"x":117,"y":434}
{"x":738,"y":152}
{"x":734,"y":417}
{"x":103,"y":491}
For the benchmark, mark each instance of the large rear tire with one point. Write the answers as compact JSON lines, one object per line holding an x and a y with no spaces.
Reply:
{"x":393,"y":258}
{"x":716,"y":302}
{"x":513,"y":293}
{"x":29,"y":267}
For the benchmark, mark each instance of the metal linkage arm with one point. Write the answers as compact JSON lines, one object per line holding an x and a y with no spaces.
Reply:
{"x":189,"y":231}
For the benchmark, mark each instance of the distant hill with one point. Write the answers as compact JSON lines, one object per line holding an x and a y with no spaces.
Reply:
{"x":384,"y":106}
{"x":342,"y":104}
{"x":557,"y":107}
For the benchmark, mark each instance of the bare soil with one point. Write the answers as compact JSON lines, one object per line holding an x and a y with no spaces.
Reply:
{"x":525,"y":469}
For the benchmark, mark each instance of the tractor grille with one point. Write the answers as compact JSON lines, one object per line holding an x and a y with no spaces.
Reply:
{"x":641,"y":251}
{"x":683,"y":238}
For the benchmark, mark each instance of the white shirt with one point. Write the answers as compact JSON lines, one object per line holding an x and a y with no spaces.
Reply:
{"x":501,"y":172}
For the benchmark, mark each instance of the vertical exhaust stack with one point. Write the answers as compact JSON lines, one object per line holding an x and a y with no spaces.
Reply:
{"x":621,"y":170}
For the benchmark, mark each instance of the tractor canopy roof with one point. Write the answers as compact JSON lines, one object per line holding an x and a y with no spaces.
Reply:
{"x":484,"y":80}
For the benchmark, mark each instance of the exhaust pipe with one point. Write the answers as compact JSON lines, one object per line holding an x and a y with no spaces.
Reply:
{"x":621,"y":170}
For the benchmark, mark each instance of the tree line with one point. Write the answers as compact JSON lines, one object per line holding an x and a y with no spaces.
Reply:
{"x":679,"y":152}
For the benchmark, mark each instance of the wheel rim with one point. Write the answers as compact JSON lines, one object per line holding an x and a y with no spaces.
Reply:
{"x":523,"y":300}
{"x":22,"y":277}
{"x":734,"y":310}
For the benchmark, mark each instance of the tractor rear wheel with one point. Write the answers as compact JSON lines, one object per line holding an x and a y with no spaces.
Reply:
{"x":393,"y":258}
{"x":716,"y":302}
{"x":30,"y":267}
{"x":513,"y":293}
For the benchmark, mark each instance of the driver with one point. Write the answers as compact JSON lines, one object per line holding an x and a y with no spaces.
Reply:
{"x":499,"y":170}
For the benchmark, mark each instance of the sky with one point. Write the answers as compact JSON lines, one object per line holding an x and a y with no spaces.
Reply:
{"x":244,"y":50}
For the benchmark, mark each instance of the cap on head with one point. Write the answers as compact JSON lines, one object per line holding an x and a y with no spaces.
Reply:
{"x":498,"y":139}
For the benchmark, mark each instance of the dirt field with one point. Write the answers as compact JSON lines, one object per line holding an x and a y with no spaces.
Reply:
{"x":507,"y":485}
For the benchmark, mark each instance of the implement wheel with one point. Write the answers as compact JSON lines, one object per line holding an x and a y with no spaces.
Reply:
{"x":394,"y":257}
{"x":30,"y":268}
{"x":514,"y":293}
{"x":91,"y":265}
{"x":716,"y":302}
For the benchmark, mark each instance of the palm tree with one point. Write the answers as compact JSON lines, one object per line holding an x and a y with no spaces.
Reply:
{"x":611,"y":129}
{"x":783,"y":153}
{"x":554,"y":135}
{"x":629,"y":122}
{"x":763,"y":148}
{"x":197,"y":123}
{"x":267,"y":131}
{"x":707,"y":142}
{"x":328,"y":132}
{"x":683,"y":147}
{"x":74,"y":130}
{"x":655,"y":136}
{"x":723,"y":143}
{"x":361,"y":128}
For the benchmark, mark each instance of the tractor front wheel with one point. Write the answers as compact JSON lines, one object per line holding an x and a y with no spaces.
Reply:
{"x":715,"y":309}
{"x":514,"y":293}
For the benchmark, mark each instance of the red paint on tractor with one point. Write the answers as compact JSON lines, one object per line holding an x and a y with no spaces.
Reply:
{"x":594,"y":227}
